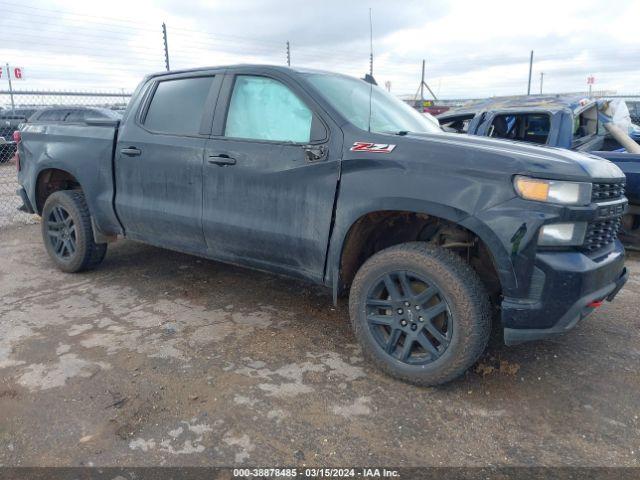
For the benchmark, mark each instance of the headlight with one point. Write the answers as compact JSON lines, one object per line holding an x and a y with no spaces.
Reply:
{"x":553,"y":191}
{"x":562,"y":234}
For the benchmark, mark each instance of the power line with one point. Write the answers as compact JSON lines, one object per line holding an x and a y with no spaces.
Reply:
{"x":114,"y":20}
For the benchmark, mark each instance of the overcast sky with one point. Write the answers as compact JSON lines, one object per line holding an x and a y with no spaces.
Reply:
{"x":472,"y":48}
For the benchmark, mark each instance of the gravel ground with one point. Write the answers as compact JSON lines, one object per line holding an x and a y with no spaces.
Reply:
{"x":159,"y":358}
{"x":9,"y":201}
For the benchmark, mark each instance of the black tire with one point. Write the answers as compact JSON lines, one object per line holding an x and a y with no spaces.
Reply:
{"x":460,"y":331}
{"x":67,"y":232}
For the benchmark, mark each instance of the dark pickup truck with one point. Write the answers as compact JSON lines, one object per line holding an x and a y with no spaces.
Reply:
{"x":330,"y":179}
{"x":570,"y":122}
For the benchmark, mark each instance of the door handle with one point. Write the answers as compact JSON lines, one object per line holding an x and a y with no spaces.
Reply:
{"x":131,"y":151}
{"x":222,"y":159}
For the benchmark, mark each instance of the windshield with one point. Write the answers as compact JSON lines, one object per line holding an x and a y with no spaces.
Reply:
{"x":350,"y":97}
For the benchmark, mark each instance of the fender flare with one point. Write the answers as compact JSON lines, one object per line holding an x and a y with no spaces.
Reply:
{"x":344,"y":223}
{"x":37,"y":176}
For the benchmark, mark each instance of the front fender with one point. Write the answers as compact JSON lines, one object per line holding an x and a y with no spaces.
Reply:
{"x":348,"y":217}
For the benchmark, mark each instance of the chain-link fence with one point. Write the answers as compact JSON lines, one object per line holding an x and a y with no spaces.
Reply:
{"x":632,"y":101}
{"x":634,"y":110}
{"x":20,"y":107}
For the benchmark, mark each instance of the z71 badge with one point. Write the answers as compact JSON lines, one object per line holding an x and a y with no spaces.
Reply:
{"x":372,"y":147}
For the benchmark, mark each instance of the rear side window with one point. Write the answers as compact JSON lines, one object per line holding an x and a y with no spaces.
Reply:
{"x":57,"y":115}
{"x":526,"y":127}
{"x":80,"y":115}
{"x":177,"y":106}
{"x":264,"y":109}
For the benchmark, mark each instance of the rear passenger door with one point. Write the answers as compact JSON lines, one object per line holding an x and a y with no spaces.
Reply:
{"x":159,"y":158}
{"x":270,"y":175}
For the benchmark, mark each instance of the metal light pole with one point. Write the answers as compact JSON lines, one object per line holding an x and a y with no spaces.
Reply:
{"x":288,"y":54}
{"x":13,"y":105}
{"x":541,"y":81}
{"x":530,"y":68}
{"x":422,"y":83}
{"x":166,"y":46}
{"x":370,"y":44}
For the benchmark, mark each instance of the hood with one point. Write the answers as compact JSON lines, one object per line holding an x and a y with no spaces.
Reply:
{"x":526,"y":159}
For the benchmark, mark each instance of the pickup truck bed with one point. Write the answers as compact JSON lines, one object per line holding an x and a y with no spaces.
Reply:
{"x":86,"y":151}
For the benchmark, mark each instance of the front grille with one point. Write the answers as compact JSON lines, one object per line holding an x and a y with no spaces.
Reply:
{"x":600,"y":234}
{"x":604,"y":192}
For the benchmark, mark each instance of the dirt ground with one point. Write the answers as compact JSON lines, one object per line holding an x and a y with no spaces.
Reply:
{"x":9,"y":201}
{"x":159,"y":358}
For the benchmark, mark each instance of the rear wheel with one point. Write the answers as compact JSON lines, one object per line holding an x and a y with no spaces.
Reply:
{"x":67,"y":232}
{"x":420,"y":313}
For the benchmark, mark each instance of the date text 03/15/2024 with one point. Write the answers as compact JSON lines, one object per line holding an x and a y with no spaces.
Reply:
{"x":316,"y":472}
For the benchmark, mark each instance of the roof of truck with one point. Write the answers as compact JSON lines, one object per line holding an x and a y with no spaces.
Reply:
{"x":523,"y":102}
{"x":244,"y":65}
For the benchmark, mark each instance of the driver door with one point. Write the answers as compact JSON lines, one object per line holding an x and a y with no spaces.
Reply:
{"x":270,"y":176}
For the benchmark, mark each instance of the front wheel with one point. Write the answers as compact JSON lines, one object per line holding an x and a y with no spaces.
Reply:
{"x":420,"y":313}
{"x":67,"y":232}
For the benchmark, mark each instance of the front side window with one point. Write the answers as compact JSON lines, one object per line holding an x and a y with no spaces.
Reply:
{"x":457,"y":124}
{"x":369,"y":107}
{"x":53,"y":115}
{"x":177,"y":106}
{"x":264,"y":109}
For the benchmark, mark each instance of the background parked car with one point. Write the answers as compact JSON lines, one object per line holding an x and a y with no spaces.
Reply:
{"x":570,"y":122}
{"x":634,"y":111}
{"x":9,"y":121}
{"x":71,"y":115}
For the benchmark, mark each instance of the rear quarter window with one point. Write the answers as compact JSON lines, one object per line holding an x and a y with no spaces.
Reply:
{"x":54,"y":115}
{"x":523,"y":127}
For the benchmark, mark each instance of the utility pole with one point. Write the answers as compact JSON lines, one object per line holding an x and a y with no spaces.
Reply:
{"x":13,"y":105}
{"x":530,"y":68}
{"x":541,"y":81}
{"x":166,"y":46}
{"x":288,"y":54}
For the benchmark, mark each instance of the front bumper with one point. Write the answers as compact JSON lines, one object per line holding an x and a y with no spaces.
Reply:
{"x":568,"y":284}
